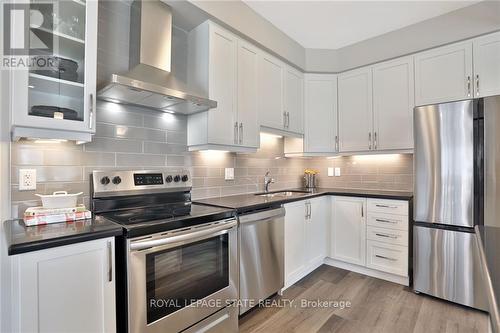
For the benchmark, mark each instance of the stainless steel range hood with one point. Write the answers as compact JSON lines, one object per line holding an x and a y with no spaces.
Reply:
{"x":149,"y":81}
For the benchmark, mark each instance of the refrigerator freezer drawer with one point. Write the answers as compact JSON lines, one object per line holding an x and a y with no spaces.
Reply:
{"x":446,"y":265}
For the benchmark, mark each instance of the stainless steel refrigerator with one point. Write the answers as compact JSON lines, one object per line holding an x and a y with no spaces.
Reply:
{"x":455,"y":168}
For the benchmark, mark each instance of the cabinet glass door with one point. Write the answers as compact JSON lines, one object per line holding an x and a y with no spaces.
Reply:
{"x":57,"y":83}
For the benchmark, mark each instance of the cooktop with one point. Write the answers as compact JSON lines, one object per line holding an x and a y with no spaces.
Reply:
{"x":147,"y":220}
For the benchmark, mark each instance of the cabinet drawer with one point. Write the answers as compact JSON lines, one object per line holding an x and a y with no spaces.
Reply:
{"x":387,"y":206}
{"x":390,"y":221}
{"x":387,"y":258}
{"x":390,"y":236}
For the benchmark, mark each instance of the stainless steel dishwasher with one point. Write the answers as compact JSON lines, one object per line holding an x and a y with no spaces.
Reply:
{"x":261,"y":243}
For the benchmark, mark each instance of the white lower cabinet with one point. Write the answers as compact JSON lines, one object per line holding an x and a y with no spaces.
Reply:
{"x":65,"y":289}
{"x":370,"y":236}
{"x":348,"y":233}
{"x":387,"y":257}
{"x":306,"y":238}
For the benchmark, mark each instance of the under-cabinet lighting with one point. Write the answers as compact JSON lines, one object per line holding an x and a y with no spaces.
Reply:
{"x":270,"y":135}
{"x":376,"y":157}
{"x":49,"y":140}
{"x":112,"y":100}
{"x":212,"y":151}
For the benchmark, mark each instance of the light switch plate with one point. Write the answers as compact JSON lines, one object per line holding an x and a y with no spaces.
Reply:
{"x":337,"y":172}
{"x":27,"y":179}
{"x":229,"y":173}
{"x":330,"y":172}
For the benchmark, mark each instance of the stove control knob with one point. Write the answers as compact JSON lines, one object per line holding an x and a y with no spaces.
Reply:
{"x":177,"y":178}
{"x":105,"y":180}
{"x":117,"y":180}
{"x":185,"y":178}
{"x":168,"y":179}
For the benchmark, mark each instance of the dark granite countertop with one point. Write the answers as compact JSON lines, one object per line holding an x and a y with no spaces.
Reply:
{"x":245,"y":202}
{"x":22,"y":239}
{"x":489,"y":243}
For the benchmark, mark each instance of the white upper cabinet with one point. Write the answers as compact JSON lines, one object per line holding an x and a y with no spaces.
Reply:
{"x":247,"y":98}
{"x":58,"y":101}
{"x":355,"y":110}
{"x":224,"y":68}
{"x":222,"y":86}
{"x":271,"y":108}
{"x":348,"y":232}
{"x":320,"y":114}
{"x":487,"y":65}
{"x":294,"y":100}
{"x":393,"y":103}
{"x":444,"y":74}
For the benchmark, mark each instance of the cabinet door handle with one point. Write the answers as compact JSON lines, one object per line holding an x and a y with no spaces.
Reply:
{"x":235,"y":137}
{"x":468,"y":85}
{"x":386,"y":258}
{"x":385,"y":221}
{"x":310,"y":210}
{"x":362,"y":211}
{"x":386,"y":206}
{"x":241,"y":133}
{"x":110,"y":262}
{"x":91,"y":111}
{"x":375,"y":140}
{"x":336,"y":143}
{"x":477,"y":84}
{"x":288,"y":120}
{"x":307,"y":211}
{"x":387,"y":236}
{"x":284,"y":119}
{"x":369,"y":140}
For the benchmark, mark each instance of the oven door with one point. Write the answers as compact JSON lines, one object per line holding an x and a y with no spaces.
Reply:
{"x":177,"y":279}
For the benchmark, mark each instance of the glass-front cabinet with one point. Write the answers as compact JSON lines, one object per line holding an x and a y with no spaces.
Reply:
{"x":54,"y":98}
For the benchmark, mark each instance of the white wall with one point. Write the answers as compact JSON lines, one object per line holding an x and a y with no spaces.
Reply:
{"x":245,"y":20}
{"x":468,"y":22}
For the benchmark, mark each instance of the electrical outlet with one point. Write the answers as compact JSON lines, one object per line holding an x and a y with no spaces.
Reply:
{"x":337,"y":172}
{"x":27,"y":179}
{"x":229,"y":173}
{"x":330,"y":172}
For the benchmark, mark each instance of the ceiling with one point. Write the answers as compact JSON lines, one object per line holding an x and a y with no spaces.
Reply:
{"x":335,"y":24}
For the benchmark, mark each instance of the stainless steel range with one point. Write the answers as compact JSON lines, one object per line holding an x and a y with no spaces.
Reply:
{"x":177,"y":263}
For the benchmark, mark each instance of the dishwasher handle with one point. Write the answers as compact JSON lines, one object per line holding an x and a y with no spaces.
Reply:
{"x":262,"y":215}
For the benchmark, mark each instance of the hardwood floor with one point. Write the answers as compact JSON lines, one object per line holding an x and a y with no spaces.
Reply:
{"x":376,"y":306}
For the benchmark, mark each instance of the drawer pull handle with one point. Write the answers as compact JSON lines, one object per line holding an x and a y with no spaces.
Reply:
{"x":386,"y":206}
{"x":386,"y":258}
{"x":386,"y":221}
{"x":387,"y":236}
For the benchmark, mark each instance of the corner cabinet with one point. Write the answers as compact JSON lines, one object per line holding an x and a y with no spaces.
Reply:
{"x":320,"y":114}
{"x":224,"y":68}
{"x":65,"y":289}
{"x":57,"y":101}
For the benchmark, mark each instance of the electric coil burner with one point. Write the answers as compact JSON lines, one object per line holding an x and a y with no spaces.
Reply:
{"x":177,"y":261}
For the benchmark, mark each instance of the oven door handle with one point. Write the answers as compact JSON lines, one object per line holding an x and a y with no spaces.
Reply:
{"x":145,"y":244}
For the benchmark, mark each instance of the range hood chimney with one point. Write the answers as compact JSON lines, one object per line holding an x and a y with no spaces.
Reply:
{"x":149,"y":81}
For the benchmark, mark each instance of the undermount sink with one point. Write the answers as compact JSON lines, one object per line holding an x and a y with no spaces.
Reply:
{"x":282,"y":194}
